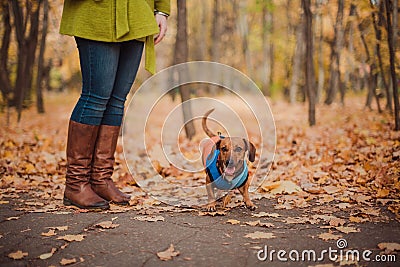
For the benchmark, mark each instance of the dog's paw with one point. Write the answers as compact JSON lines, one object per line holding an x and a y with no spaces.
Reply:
{"x":211,"y":207}
{"x":251,"y":206}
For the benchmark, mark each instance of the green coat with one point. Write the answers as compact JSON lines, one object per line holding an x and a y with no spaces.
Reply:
{"x":114,"y":21}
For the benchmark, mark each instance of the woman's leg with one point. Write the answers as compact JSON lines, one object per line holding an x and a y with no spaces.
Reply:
{"x":128,"y":65}
{"x":103,"y":159}
{"x":99,"y":63}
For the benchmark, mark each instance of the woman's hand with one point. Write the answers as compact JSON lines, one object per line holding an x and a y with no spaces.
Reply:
{"x":162,"y":25}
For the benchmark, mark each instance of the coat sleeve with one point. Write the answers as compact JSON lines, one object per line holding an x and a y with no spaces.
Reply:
{"x":163,"y":6}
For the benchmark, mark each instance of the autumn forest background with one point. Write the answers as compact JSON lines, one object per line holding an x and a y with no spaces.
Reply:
{"x":330,"y":70}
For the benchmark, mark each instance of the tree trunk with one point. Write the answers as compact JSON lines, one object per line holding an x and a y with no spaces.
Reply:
{"x":5,"y":84}
{"x":378,"y":35}
{"x":268,"y":47}
{"x":337,"y":45}
{"x":297,"y":60}
{"x":310,"y":76}
{"x":26,"y":48}
{"x":181,"y":56}
{"x":40,"y":74}
{"x":321,"y":72}
{"x":215,"y":33}
{"x":392,"y":45}
{"x":215,"y":44}
{"x":349,"y":74}
{"x":244,"y":33}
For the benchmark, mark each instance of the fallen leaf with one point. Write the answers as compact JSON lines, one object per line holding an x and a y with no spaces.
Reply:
{"x":212,"y":213}
{"x":389,"y":247}
{"x":265,"y":214}
{"x":59,"y":228}
{"x":356,"y":219}
{"x":382,"y":193}
{"x":337,"y":221}
{"x":48,"y":255}
{"x":232,"y":221}
{"x":347,"y":229}
{"x":71,"y":238}
{"x":300,"y":220}
{"x":34,"y":203}
{"x":12,"y":218}
{"x":259,"y":223}
{"x":17,"y":255}
{"x":260,"y":235}
{"x":168,"y":254}
{"x":331,"y":189}
{"x":329,"y":236}
{"x":64,"y":261}
{"x":107,"y":225}
{"x":344,"y":205}
{"x":4,"y":202}
{"x":362,"y":198}
{"x":281,"y":187}
{"x":323,"y":265}
{"x":51,"y":232}
{"x":149,"y":218}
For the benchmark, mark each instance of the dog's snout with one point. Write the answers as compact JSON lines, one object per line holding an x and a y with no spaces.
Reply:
{"x":230,"y":162}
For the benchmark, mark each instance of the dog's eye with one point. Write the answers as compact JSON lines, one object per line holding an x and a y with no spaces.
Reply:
{"x":238,"y":149}
{"x":224,"y":149}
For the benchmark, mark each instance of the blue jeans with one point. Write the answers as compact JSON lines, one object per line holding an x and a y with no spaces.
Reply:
{"x":108,"y":72}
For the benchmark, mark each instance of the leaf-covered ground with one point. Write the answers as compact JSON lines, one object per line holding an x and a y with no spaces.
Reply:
{"x":350,"y":160}
{"x":339,"y":179}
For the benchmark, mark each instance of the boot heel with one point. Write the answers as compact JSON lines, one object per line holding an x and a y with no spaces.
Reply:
{"x":67,"y":202}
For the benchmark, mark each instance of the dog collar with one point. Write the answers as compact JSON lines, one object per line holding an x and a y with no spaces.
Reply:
{"x":216,"y":176}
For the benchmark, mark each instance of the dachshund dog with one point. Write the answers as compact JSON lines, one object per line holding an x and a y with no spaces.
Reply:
{"x":226,"y":166}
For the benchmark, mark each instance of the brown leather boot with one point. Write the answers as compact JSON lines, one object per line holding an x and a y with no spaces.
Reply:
{"x":80,"y":146}
{"x":103,"y":166}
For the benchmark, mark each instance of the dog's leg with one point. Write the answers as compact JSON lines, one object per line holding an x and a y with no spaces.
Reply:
{"x":244,"y":190}
{"x":211,"y":197}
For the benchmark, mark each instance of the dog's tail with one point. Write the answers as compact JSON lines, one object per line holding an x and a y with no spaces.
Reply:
{"x":204,"y":124}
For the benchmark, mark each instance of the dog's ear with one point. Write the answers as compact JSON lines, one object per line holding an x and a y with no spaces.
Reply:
{"x":251,"y":148}
{"x":215,"y":147}
{"x":218,"y":145}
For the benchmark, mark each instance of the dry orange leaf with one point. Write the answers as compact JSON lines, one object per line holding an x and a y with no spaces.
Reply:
{"x":17,"y":255}
{"x":107,"y":225}
{"x":337,"y":221}
{"x":51,"y":232}
{"x":389,"y":247}
{"x":71,"y":238}
{"x":212,"y":213}
{"x":233,"y":221}
{"x":260,"y":235}
{"x":168,"y":254}
{"x":64,"y":261}
{"x":281,"y":187}
{"x":347,"y":229}
{"x":382,"y":193}
{"x":59,"y":228}
{"x":150,"y":218}
{"x":329,"y":236}
{"x":12,"y":218}
{"x":265,"y":214}
{"x":259,"y":223}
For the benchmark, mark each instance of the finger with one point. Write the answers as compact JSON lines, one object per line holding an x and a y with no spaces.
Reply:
{"x":161,"y":35}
